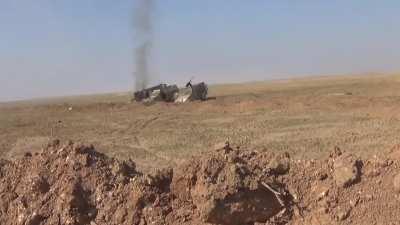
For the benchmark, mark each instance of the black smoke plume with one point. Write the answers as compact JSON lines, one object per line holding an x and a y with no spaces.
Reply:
{"x":143,"y":40}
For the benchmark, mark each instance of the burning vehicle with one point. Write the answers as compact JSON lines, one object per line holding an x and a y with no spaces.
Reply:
{"x":171,"y":93}
{"x":143,"y":30}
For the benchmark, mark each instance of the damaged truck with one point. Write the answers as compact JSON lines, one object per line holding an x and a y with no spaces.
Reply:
{"x":171,"y":93}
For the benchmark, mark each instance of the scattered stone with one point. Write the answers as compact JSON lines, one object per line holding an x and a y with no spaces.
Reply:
{"x":346,"y":170}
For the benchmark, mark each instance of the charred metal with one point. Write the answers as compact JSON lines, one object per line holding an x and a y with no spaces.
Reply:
{"x":171,"y":93}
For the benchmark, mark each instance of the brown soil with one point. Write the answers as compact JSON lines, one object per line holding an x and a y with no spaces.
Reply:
{"x":74,"y":184}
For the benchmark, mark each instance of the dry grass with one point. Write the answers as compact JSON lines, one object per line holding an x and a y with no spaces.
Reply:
{"x":306,"y":117}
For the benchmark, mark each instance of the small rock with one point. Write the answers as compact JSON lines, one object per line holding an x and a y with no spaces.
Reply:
{"x":280,"y":164}
{"x":323,"y":176}
{"x":346,"y":170}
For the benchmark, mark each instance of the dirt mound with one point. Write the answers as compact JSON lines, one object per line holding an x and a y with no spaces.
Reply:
{"x":74,"y":184}
{"x":228,"y":187}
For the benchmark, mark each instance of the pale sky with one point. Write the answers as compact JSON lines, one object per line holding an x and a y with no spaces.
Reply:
{"x":68,"y":47}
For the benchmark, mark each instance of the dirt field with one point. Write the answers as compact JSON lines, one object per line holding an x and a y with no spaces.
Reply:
{"x":321,"y":151}
{"x":305,"y":117}
{"x":70,"y":183}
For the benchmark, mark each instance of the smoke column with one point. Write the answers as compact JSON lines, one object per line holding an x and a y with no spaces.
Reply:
{"x":143,"y":40}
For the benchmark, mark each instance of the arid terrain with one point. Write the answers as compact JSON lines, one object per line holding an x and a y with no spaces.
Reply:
{"x":305,"y":117}
{"x":312,"y":151}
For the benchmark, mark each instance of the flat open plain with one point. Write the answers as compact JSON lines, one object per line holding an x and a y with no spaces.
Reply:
{"x":306,"y":117}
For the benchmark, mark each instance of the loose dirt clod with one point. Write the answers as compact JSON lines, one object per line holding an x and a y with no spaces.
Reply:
{"x":280,"y":164}
{"x":76,"y":185}
{"x":346,"y":170}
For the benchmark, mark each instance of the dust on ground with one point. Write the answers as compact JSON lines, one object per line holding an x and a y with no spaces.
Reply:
{"x":304,"y":117}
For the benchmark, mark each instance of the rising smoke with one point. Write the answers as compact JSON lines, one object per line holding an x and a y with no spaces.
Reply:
{"x":143,"y":40}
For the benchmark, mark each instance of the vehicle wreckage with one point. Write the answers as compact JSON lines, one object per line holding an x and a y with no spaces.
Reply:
{"x":171,"y":93}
